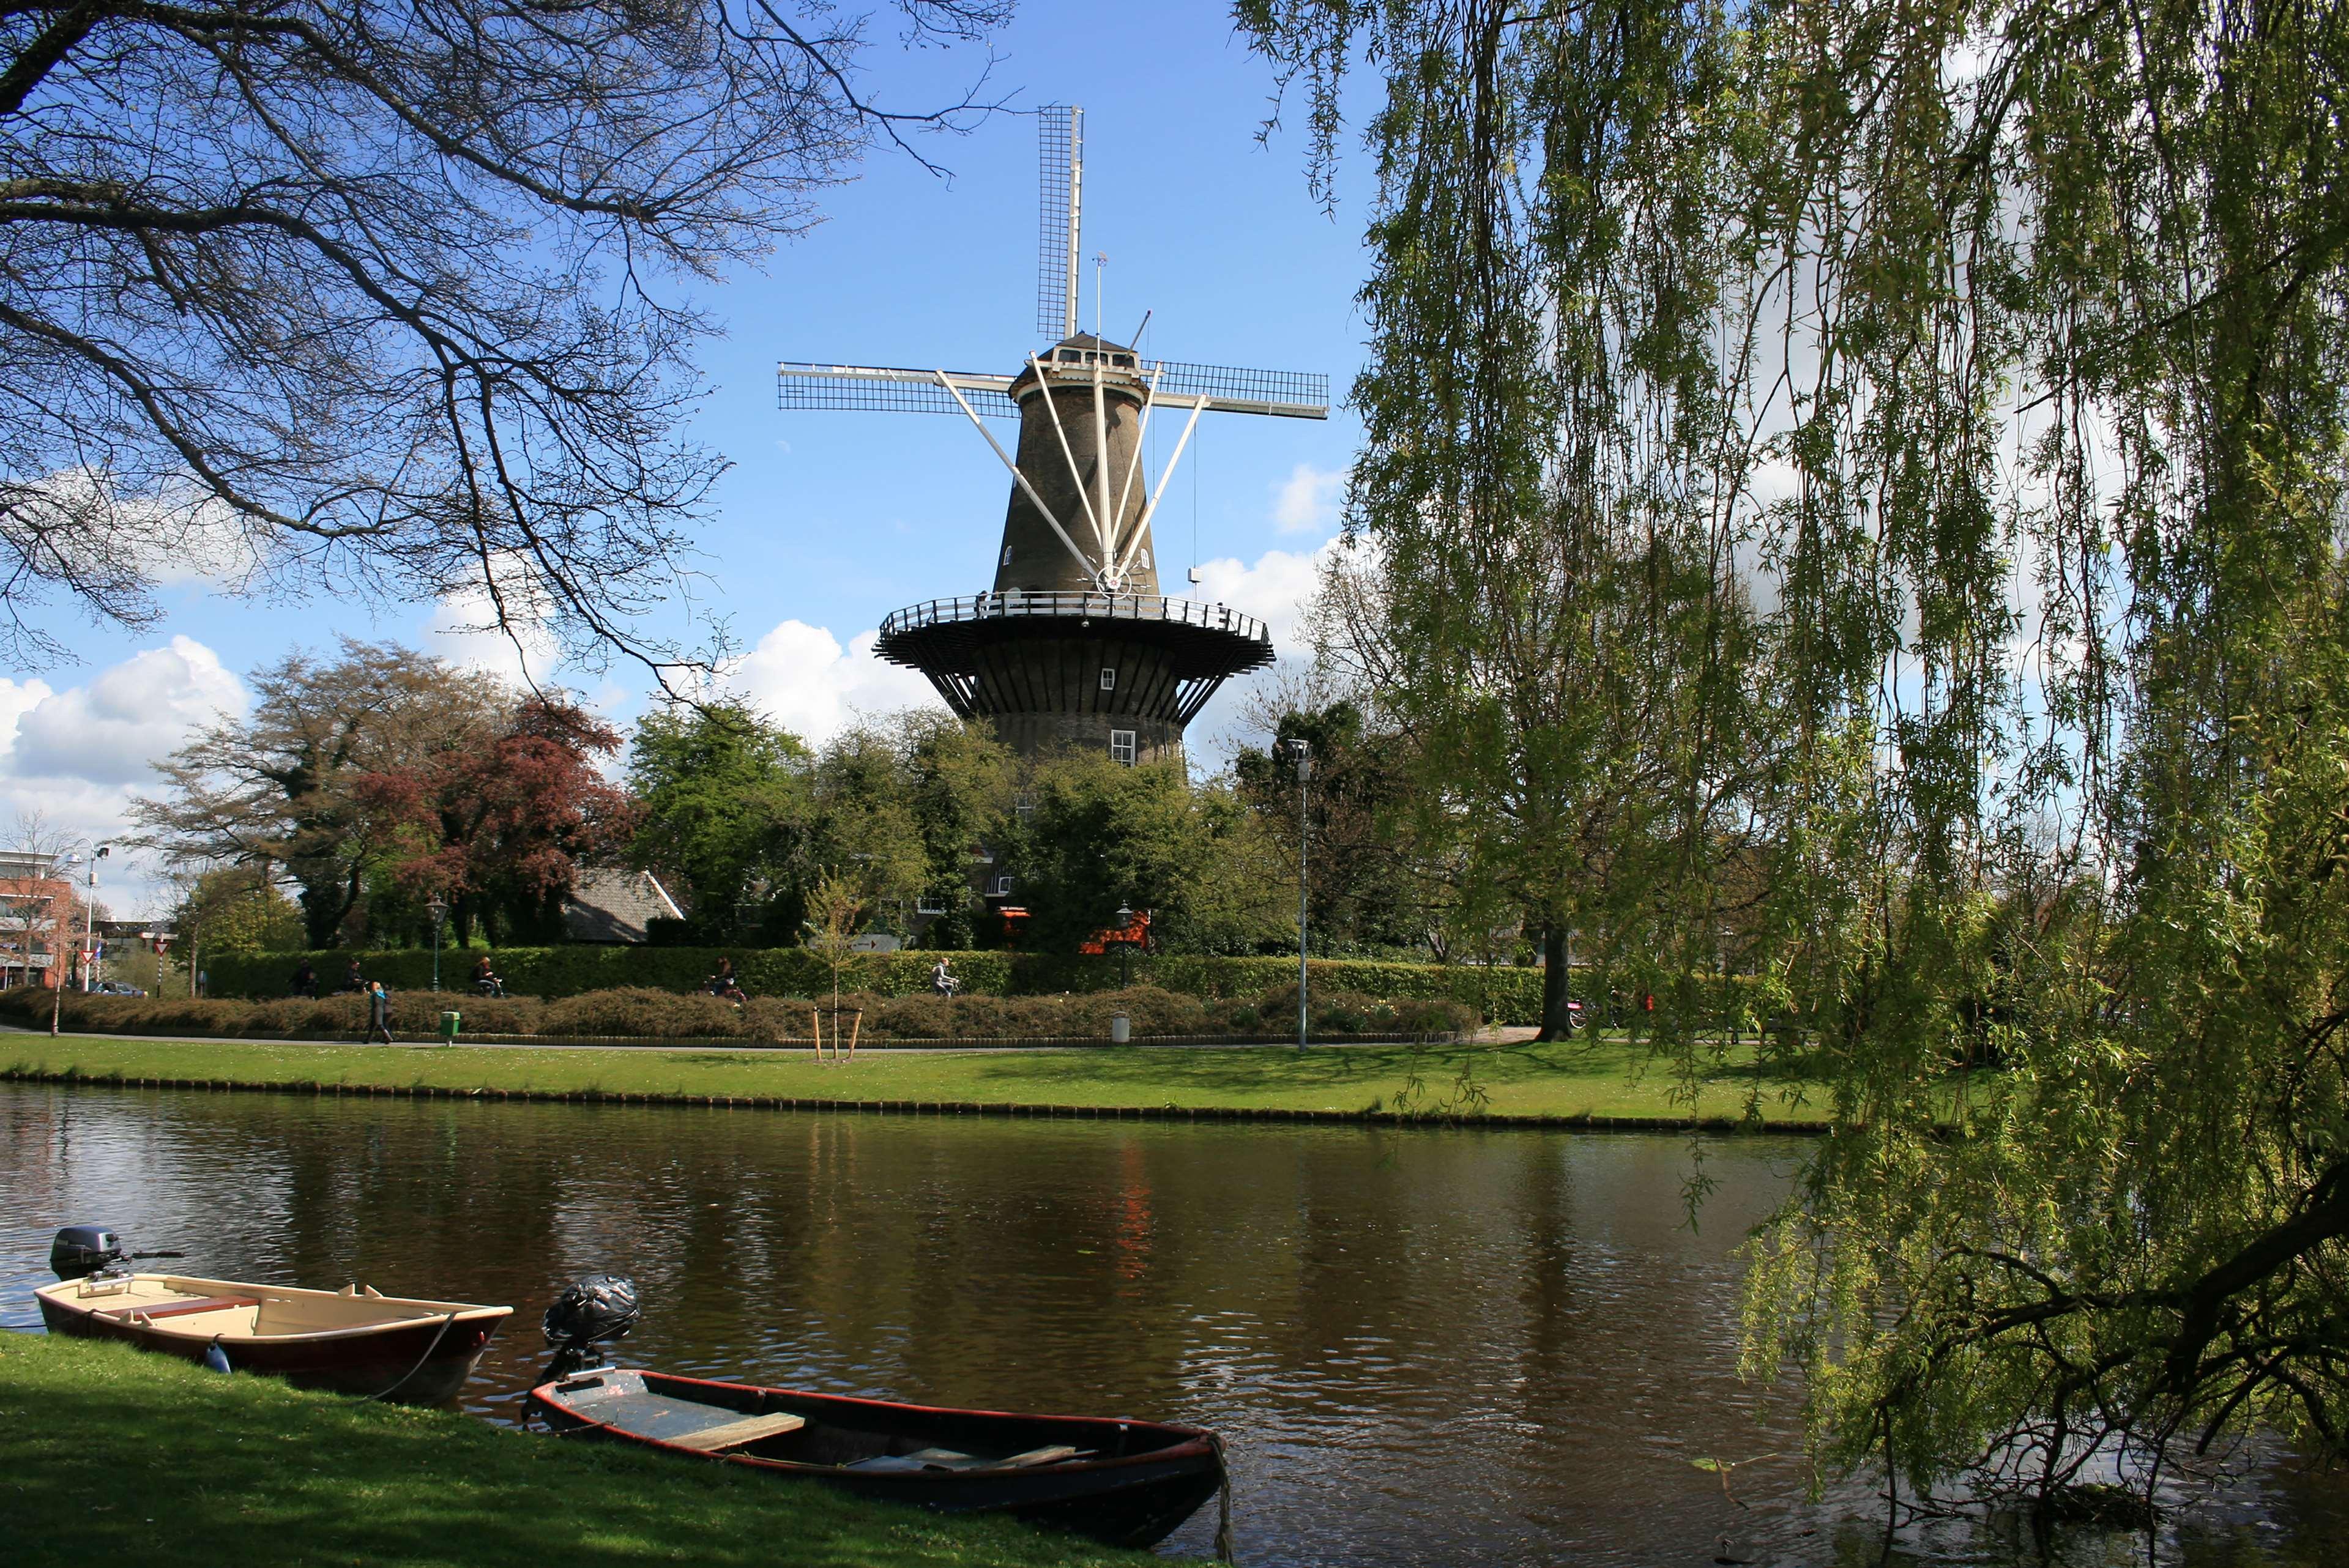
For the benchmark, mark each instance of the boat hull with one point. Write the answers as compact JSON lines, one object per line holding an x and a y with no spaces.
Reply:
{"x":1137,"y":1481}
{"x":419,"y":1360}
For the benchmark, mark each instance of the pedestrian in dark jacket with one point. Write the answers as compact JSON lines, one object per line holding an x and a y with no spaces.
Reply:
{"x":305,"y":980}
{"x":378,"y":1013}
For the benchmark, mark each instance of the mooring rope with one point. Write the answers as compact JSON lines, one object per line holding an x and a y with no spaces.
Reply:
{"x":1223,"y":1503}
{"x":420,"y":1360}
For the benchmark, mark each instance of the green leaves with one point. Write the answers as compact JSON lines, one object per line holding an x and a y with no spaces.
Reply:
{"x":1865,"y":483}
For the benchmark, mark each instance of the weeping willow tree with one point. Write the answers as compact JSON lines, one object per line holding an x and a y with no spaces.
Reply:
{"x":1547,"y":609}
{"x":1971,"y":375}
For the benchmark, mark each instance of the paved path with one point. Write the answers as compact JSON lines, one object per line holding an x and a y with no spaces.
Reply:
{"x":1507,"y":1037}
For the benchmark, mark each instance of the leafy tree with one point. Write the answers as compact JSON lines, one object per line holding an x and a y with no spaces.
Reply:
{"x":499,"y":830}
{"x":1367,"y":888}
{"x":864,"y":824}
{"x":1546,"y":613}
{"x":725,"y":804}
{"x":2035,"y":320}
{"x":239,"y":910}
{"x":1097,"y":834}
{"x":281,"y":785}
{"x":359,"y":296}
{"x":960,"y":791}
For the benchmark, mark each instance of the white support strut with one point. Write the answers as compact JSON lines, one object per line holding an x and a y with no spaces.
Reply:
{"x":1108,"y":526}
{"x":1021,"y":480}
{"x":1076,"y":479}
{"x":1134,"y":469}
{"x":1199,"y":406}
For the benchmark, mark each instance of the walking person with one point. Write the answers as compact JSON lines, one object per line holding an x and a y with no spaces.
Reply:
{"x":378,"y":1013}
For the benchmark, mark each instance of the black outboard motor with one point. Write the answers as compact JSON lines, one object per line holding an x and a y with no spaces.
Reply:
{"x":590,"y":1312}
{"x":81,"y":1251}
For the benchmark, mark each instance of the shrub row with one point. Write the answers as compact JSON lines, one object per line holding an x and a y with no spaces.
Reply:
{"x":638,"y":1012}
{"x":1504,"y":995}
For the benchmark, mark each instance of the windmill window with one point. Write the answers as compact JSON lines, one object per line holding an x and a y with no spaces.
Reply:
{"x":1109,"y":680}
{"x":1121,"y":747}
{"x":1007,"y":555}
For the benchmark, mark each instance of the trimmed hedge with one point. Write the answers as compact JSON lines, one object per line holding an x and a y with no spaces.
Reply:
{"x":1502,"y":995}
{"x":642,"y":1013}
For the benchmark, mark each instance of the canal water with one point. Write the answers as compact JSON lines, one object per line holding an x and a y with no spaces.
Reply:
{"x":1424,"y":1346}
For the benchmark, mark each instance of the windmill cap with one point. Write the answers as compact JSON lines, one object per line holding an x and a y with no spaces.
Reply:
{"x":1077,"y":354}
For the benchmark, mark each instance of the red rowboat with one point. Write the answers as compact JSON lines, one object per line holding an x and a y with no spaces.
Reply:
{"x":1123,"y":1482}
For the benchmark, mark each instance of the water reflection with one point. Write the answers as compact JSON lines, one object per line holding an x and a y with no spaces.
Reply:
{"x":1423,"y":1348}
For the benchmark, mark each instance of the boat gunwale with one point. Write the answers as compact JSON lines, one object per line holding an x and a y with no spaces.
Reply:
{"x":434,"y":1315}
{"x":1196,"y":1442}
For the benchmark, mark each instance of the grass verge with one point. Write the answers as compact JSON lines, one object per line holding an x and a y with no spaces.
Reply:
{"x":111,"y":1454}
{"x":1602,"y":1081}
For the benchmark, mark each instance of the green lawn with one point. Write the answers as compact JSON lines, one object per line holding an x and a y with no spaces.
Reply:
{"x":107,"y":1454}
{"x":1607,"y":1079}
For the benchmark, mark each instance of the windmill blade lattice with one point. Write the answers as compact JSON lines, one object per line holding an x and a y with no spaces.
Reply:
{"x":1060,"y":227}
{"x":1299,"y":394}
{"x":890,"y":389}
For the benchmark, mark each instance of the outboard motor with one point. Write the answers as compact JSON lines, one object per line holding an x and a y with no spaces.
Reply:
{"x":81,"y":1251}
{"x":590,"y":1312}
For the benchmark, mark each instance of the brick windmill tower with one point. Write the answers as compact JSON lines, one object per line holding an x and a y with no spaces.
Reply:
{"x":1074,"y":647}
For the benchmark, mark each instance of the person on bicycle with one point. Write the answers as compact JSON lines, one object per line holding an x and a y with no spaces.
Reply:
{"x":942,"y":979}
{"x":724,"y":985}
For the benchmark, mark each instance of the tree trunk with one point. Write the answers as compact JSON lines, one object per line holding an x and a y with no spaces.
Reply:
{"x":1556,"y":1018}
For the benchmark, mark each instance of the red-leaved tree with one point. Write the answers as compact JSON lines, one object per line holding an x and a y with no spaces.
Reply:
{"x":499,"y":830}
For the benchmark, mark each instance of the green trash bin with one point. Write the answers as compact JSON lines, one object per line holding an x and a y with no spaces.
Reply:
{"x":448,"y":1022}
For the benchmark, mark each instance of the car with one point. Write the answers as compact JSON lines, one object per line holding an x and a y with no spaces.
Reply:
{"x":115,"y":988}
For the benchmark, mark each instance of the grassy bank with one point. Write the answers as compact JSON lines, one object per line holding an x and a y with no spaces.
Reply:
{"x":109,"y":1454}
{"x":1610,"y":1080}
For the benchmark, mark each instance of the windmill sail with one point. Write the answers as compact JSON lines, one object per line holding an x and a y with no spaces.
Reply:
{"x":1062,"y":175}
{"x":892,"y":390}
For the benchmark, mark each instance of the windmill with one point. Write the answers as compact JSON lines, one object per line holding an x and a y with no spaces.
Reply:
{"x":1073,"y":645}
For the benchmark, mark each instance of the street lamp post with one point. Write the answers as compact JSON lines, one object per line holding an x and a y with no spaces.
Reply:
{"x":1124,"y":946}
{"x":1298,"y":752}
{"x":90,"y":923}
{"x":439,"y":912}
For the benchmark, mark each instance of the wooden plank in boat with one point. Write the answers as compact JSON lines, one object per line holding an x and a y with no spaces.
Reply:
{"x":733,"y":1434}
{"x":178,"y":1307}
{"x":1051,"y":1455}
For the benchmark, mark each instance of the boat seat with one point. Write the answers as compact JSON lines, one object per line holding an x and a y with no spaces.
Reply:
{"x":734,"y":1434}
{"x":1050,"y":1455}
{"x":954,"y":1460}
{"x":180,"y":1308}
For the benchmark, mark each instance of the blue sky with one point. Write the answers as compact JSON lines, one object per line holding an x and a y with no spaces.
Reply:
{"x":829,"y":521}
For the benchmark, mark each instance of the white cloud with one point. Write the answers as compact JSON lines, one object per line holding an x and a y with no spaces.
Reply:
{"x":74,"y":757}
{"x":1306,"y":501}
{"x":111,"y":730}
{"x":464,"y":628}
{"x":1275,"y":590}
{"x":18,"y":698}
{"x":801,"y":678}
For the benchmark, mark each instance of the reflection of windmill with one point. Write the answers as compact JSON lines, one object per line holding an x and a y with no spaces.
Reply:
{"x":1073,"y":645}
